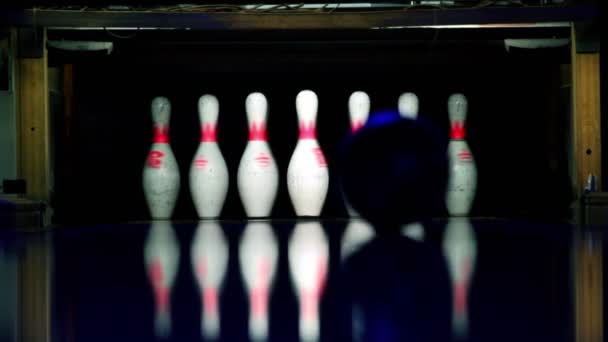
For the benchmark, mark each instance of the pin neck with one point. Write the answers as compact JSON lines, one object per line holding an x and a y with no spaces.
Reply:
{"x":209,"y":132}
{"x":161,"y":134}
{"x":308,"y":130}
{"x":257,"y":131}
{"x":356,"y":125}
{"x":457,"y":130}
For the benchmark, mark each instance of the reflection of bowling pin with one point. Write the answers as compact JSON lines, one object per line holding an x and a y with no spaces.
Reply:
{"x":209,"y":260}
{"x":414,"y":231}
{"x":161,"y":257}
{"x":460,"y":250}
{"x":358,"y":111}
{"x":307,"y":175}
{"x":258,"y":256}
{"x":408,"y":108}
{"x":258,"y":177}
{"x":357,"y":233}
{"x":462,"y":178}
{"x":308,"y":262}
{"x":408,"y":105}
{"x":208,"y":172}
{"x":161,"y":174}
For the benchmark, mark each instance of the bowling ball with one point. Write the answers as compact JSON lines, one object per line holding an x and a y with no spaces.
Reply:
{"x":394,"y":170}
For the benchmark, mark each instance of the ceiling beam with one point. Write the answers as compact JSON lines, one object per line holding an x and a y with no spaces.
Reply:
{"x":289,"y":20}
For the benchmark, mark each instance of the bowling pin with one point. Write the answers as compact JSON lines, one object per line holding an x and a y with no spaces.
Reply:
{"x":460,"y":251}
{"x":209,"y":261}
{"x":258,"y":257}
{"x":208,"y":172}
{"x":308,"y":261}
{"x":307,"y":175}
{"x":358,"y":112}
{"x":408,"y":106}
{"x":358,"y":231}
{"x":462,"y":176}
{"x":161,"y":257}
{"x":161,"y":173}
{"x":258,"y":176}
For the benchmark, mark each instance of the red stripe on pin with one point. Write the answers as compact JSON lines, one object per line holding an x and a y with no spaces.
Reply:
{"x":465,"y":155}
{"x":155,"y":159}
{"x":161,"y":134}
{"x":308,"y":131}
{"x":320,"y":157}
{"x":355,"y":126}
{"x":263,"y":159}
{"x":257,"y":132}
{"x":457,"y":131}
{"x":209,"y":133}
{"x":201,"y":163}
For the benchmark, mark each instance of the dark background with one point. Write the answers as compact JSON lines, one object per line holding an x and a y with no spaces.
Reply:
{"x":516,"y":128}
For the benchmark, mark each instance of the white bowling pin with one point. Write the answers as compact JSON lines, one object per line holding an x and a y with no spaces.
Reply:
{"x":209,"y":261}
{"x":208,"y":172}
{"x":357,"y":233}
{"x":460,"y":251}
{"x":308,"y":263}
{"x":408,"y":106}
{"x":358,"y":112}
{"x":161,"y":173}
{"x":258,"y":257}
{"x":161,"y":257}
{"x":462,"y":176}
{"x":307,"y":175}
{"x":258,"y":176}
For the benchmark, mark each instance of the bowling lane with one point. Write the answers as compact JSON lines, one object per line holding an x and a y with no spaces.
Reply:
{"x":465,"y":280}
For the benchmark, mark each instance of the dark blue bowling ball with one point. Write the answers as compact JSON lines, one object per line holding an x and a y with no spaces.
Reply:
{"x":394,"y":170}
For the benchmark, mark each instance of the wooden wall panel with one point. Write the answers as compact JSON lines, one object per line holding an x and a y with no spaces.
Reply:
{"x":32,"y":101}
{"x":586,"y":123}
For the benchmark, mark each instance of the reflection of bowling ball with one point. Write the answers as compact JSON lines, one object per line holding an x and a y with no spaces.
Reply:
{"x":395,"y":289}
{"x":394,"y":170}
